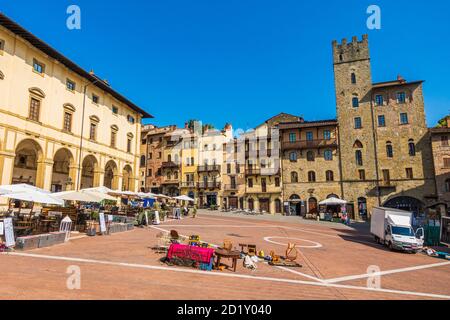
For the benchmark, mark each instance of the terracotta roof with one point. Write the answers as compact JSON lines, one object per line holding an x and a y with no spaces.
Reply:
{"x":51,"y":52}
{"x":307,"y":124}
{"x":395,"y":83}
{"x":440,"y":130}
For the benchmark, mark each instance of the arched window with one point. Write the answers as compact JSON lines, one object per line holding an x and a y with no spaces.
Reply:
{"x":389,"y":150}
{"x":310,"y":156}
{"x":353,"y":78}
{"x":294,"y":177}
{"x":329,"y":175}
{"x":358,"y":145}
{"x":311,"y":176}
{"x":169,"y":158}
{"x":355,"y":102}
{"x":293,"y":156}
{"x":328,"y":155}
{"x":412,"y":148}
{"x":447,"y":185}
{"x":359,"y":158}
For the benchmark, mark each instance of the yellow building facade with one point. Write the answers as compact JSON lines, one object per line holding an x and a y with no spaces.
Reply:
{"x":42,"y":95}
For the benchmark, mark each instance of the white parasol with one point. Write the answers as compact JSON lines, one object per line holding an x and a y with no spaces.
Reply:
{"x":333,"y":202}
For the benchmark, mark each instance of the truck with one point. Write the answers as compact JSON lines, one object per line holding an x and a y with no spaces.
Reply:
{"x":393,"y":228}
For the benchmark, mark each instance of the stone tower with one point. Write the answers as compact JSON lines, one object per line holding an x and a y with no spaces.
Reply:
{"x":384,"y":147}
{"x":353,"y":85}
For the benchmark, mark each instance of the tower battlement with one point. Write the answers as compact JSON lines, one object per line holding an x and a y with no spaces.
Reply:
{"x":355,"y":50}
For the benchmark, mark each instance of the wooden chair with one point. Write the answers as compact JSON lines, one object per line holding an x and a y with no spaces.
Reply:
{"x":251,"y":250}
{"x":291,"y":252}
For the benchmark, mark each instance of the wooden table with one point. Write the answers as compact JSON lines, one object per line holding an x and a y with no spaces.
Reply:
{"x":234,"y":255}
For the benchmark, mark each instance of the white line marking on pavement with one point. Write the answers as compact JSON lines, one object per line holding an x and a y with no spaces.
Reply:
{"x":302,"y":274}
{"x":383,"y":273}
{"x":228,"y":275}
{"x":314,"y":244}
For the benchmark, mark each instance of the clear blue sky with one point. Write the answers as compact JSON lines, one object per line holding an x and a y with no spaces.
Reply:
{"x":243,"y":60}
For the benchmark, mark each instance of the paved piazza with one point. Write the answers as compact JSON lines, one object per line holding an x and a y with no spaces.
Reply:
{"x":335,"y":263}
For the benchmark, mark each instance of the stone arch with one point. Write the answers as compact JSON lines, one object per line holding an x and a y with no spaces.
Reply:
{"x":358,"y":145}
{"x":89,"y":172}
{"x":64,"y":171}
{"x":405,"y":203}
{"x":2,"y":76}
{"x":295,"y":204}
{"x":127,"y":178}
{"x":28,"y":163}
{"x":69,"y":107}
{"x":111,"y":175}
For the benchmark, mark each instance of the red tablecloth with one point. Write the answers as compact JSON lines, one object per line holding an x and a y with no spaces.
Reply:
{"x":183,"y":251}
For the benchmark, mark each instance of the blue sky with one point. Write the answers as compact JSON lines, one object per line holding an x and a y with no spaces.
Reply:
{"x":242,"y":61}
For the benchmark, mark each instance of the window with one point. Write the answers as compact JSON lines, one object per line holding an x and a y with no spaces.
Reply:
{"x":70,"y":85}
{"x":38,"y":67}
{"x":362,"y":175}
{"x":95,"y":99}
{"x":386,"y":176}
{"x":353,"y":78}
{"x":277,"y":181}
{"x":130,"y":119}
{"x":67,"y":121}
{"x":412,"y":148}
{"x":92,"y":131}
{"x":292,"y":137}
{"x":389,"y":150}
{"x":115,"y":110}
{"x":329,"y":175}
{"x":2,"y":45}
{"x":150,"y":155}
{"x":160,"y":156}
{"x":129,"y":141}
{"x":444,"y":141}
{"x":35,"y":106}
{"x":294,"y":177}
{"x":309,"y":136}
{"x":403,"y":118}
{"x":311,"y":176}
{"x":250,"y":183}
{"x":401,"y":97}
{"x":355,"y":102}
{"x":327,"y":135}
{"x":328,"y":155}
{"x":293,"y":156}
{"x":447,"y":185}
{"x":381,"y":121}
{"x":358,"y":123}
{"x":113,"y":138}
{"x":379,"y":100}
{"x":310,"y":156}
{"x":446,"y":162}
{"x":409,"y":173}
{"x":358,"y":157}
{"x":142,"y":161}
{"x":228,"y":168}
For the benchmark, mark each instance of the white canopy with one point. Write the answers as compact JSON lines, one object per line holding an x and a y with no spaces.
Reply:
{"x":99,"y":189}
{"x":78,"y":196}
{"x":34,"y":196}
{"x":333,"y":202}
{"x":22,"y":187}
{"x":184,"y":198}
{"x":163,"y":196}
{"x":146,"y":195}
{"x":102,"y":196}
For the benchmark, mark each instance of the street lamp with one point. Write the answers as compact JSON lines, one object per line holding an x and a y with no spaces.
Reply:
{"x":80,"y":166}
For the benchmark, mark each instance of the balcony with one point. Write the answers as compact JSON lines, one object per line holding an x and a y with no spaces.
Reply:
{"x":209,"y":168}
{"x":231,"y":187}
{"x":171,"y":181}
{"x":169,"y":165}
{"x":209,"y":185}
{"x":308,"y":144}
{"x":187,"y":184}
{"x":252,"y":171}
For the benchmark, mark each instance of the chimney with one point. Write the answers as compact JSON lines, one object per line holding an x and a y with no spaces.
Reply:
{"x":400,"y":78}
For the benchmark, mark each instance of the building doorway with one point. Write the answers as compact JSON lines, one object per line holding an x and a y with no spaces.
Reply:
{"x":26,"y":162}
{"x":312,"y":205}
{"x":264,"y":205}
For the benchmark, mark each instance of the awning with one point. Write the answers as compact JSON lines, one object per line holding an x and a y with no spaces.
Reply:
{"x":34,"y":196}
{"x":333,"y":202}
{"x":184,"y":198}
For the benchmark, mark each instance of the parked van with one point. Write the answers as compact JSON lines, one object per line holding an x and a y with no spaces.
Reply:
{"x":393,"y":228}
